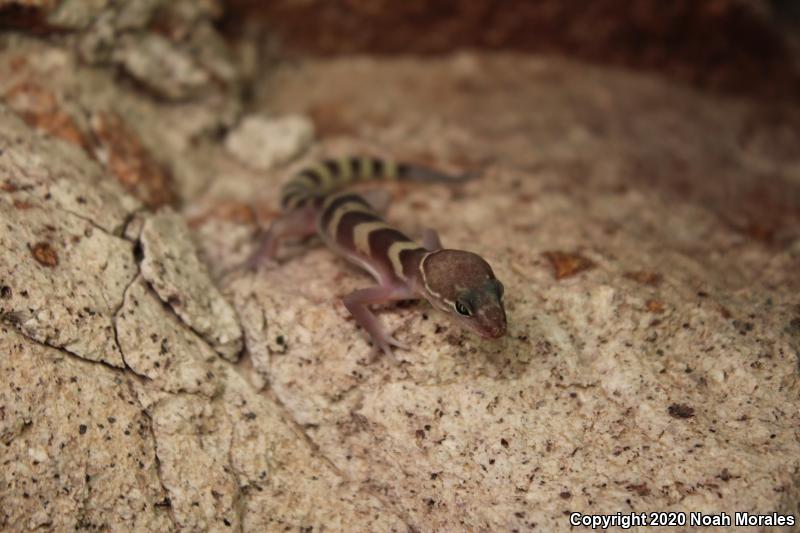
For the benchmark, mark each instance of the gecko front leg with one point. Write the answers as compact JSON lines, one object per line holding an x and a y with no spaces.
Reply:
{"x":357,"y":303}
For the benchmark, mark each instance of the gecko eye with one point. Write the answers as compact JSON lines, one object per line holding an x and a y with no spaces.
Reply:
{"x":463,"y":309}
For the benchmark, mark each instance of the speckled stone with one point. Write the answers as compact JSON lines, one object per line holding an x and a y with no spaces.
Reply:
{"x":265,"y":143}
{"x":654,"y":329}
{"x":81,"y":97}
{"x":172,"y":268}
{"x":154,"y":61}
{"x":651,"y":360}
{"x":116,"y":411}
{"x":77,"y":450}
{"x":63,"y":272}
{"x":156,"y":345}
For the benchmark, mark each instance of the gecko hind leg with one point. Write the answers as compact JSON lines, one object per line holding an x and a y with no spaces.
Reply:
{"x":357,"y":303}
{"x":378,"y":199}
{"x":431,"y":240}
{"x":298,"y":223}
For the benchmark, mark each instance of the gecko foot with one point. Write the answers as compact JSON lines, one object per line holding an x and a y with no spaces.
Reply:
{"x":252,"y":264}
{"x":357,"y":303}
{"x":256,"y":261}
{"x":384,"y":345}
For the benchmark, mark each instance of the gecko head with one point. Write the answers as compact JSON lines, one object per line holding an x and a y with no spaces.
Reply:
{"x":463,"y":285}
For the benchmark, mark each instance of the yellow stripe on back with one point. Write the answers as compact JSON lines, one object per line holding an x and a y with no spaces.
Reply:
{"x":303,"y":181}
{"x":390,"y":170}
{"x":294,"y":188}
{"x":326,"y":178}
{"x":365,"y":168}
{"x":362,"y":232}
{"x":394,"y":255}
{"x":341,"y":211}
{"x":345,"y":170}
{"x":292,"y":201}
{"x":332,"y":198}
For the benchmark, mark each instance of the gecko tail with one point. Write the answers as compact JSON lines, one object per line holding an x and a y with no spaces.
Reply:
{"x":331,"y":175}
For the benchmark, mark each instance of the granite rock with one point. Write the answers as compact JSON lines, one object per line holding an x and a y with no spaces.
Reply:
{"x":651,"y":361}
{"x":157,"y":345}
{"x":171,"y":266}
{"x":267,"y":143}
{"x":138,"y":424}
{"x":77,"y":447}
{"x":156,"y":63}
{"x":63,"y":268}
{"x":650,"y":270}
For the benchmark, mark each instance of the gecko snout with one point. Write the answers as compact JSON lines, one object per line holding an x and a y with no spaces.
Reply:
{"x":493,"y":323}
{"x":496,"y":331}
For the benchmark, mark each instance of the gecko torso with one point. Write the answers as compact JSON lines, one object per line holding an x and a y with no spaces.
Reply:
{"x":457,"y":282}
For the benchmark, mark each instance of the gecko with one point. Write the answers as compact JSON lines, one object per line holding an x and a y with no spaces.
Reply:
{"x":457,"y":282}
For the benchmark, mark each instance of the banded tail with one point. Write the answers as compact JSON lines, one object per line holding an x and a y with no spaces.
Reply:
{"x":331,"y":175}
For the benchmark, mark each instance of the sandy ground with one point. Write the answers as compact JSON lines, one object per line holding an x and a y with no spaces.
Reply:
{"x":647,"y":237}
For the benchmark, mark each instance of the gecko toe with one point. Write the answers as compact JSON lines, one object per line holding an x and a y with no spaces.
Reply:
{"x":397,"y":344}
{"x":385,"y":346}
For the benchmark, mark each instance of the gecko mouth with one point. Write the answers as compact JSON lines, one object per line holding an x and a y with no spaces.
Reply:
{"x":494,"y":333}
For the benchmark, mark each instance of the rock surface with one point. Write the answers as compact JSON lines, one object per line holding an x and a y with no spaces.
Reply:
{"x":652,"y":358}
{"x":648,"y":238}
{"x":172,"y":268}
{"x":266,"y":143}
{"x":63,"y":269}
{"x":173,"y":438}
{"x":78,"y":449}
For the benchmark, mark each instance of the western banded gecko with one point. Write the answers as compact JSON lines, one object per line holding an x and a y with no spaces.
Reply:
{"x":457,"y":282}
